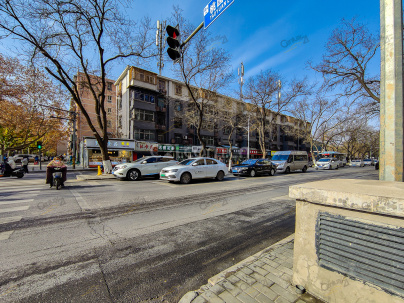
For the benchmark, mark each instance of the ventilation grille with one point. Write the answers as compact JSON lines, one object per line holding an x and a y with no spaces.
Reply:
{"x":366,"y":252}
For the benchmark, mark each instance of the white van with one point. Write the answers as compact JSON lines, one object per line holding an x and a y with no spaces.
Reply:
{"x":287,"y":161}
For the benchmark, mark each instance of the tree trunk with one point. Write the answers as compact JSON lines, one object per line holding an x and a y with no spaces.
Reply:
{"x":231,"y":150}
{"x":106,"y":162}
{"x":198,"y":133}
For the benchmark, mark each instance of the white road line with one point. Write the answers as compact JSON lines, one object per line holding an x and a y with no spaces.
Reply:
{"x":10,"y":219}
{"x":5,"y":235}
{"x":15,"y":201}
{"x":9,"y":210}
{"x":80,"y":200}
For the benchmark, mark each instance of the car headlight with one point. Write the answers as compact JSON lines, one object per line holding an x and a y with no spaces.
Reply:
{"x":280,"y":165}
{"x":122,"y":167}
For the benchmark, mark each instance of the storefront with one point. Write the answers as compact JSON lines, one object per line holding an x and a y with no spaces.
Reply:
{"x":120,"y":151}
{"x":223,"y":154}
{"x":254,"y":154}
{"x":183,"y":152}
{"x":144,"y":149}
{"x":166,"y":150}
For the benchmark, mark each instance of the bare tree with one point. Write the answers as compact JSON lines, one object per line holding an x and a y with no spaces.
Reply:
{"x":70,"y":36}
{"x":345,"y":65}
{"x":321,"y":119}
{"x":205,"y":71}
{"x":262,"y":93}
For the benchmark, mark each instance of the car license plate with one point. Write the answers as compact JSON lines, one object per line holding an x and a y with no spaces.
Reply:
{"x":163,"y":175}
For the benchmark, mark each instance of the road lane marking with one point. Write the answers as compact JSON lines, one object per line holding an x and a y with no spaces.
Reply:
{"x":80,"y":200}
{"x":5,"y":235}
{"x":15,"y":202}
{"x":10,"y":219}
{"x":9,"y":210}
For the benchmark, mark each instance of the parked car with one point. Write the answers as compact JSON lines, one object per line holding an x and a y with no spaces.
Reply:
{"x":327,"y":163}
{"x":194,"y":168}
{"x":19,"y":157}
{"x":146,"y":166}
{"x":253,"y":167}
{"x":287,"y":161}
{"x":357,"y":162}
{"x":368,"y":162}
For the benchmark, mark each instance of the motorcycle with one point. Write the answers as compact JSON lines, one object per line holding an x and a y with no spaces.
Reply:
{"x":56,"y":177}
{"x":16,"y":172}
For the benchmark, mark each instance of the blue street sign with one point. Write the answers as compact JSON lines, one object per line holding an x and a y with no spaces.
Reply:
{"x":214,"y":10}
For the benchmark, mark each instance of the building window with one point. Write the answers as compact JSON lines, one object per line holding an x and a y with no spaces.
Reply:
{"x":119,"y":103}
{"x":150,"y":79}
{"x":144,"y":134}
{"x":208,"y":140}
{"x":162,"y":85}
{"x":109,"y":123}
{"x":226,"y":130}
{"x":177,"y":122}
{"x":141,"y":77}
{"x":109,"y":86}
{"x":144,"y":97}
{"x":178,"y":106}
{"x":160,"y":138}
{"x":109,"y":99}
{"x":178,"y":90}
{"x":109,"y":111}
{"x":144,"y":115}
{"x":178,"y":138}
{"x":120,"y":122}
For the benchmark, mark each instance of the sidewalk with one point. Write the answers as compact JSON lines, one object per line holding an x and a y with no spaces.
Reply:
{"x":264,"y":277}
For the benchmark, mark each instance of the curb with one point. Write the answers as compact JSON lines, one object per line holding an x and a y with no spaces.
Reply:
{"x":192,"y":295}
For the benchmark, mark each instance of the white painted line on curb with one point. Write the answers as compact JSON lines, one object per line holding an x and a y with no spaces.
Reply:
{"x":5,"y":235}
{"x":10,"y":219}
{"x":80,"y":200}
{"x":9,"y":210}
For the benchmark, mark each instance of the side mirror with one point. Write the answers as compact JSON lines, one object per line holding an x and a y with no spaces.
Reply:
{"x":195,"y":164}
{"x":143,"y":162}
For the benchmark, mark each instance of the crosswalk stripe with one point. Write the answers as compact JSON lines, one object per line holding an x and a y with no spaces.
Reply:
{"x":5,"y":235}
{"x":8,"y":210}
{"x":15,"y":201}
{"x":20,"y":192}
{"x":10,"y":219}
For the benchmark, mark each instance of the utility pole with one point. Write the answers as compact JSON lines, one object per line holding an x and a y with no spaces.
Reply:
{"x":160,"y":43}
{"x":391,"y":91}
{"x":240,"y":72}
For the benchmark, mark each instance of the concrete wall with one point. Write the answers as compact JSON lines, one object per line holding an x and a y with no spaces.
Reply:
{"x":371,"y":202}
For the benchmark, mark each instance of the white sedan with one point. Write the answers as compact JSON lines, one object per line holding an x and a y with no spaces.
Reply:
{"x":327,"y":163}
{"x":146,"y":166}
{"x":194,"y":168}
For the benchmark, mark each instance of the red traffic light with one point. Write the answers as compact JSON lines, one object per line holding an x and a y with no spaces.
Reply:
{"x":173,"y":42}
{"x":172,"y":31}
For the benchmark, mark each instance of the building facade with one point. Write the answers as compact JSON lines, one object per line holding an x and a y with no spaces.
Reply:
{"x":155,"y":109}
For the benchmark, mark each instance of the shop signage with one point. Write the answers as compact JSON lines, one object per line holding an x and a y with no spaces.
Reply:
{"x":196,"y":149}
{"x":112,"y":144}
{"x":166,"y":148}
{"x":220,"y":150}
{"x":145,"y":146}
{"x":183,"y":149}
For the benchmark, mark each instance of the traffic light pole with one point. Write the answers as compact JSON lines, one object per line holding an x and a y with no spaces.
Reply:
{"x":193,"y":34}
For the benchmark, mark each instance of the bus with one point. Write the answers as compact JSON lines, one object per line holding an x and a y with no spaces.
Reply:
{"x":334,"y":155}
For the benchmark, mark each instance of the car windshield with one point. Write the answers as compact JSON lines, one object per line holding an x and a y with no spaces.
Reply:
{"x":367,"y":160}
{"x":324,"y":160}
{"x":141,"y":159}
{"x":187,"y":162}
{"x":249,"y":161}
{"x":280,"y":157}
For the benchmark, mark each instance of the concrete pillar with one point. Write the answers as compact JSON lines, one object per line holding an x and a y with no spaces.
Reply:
{"x":391,"y":89}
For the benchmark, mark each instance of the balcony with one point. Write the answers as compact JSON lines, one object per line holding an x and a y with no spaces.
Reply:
{"x":160,"y":126}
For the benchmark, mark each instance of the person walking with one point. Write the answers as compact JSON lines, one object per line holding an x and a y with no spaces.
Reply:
{"x":24,"y":163}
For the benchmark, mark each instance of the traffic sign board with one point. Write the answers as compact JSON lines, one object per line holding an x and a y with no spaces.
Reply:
{"x":214,"y":9}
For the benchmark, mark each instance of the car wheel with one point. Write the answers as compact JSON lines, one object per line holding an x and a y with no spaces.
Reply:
{"x":287,"y":170}
{"x":304,"y":169}
{"x":272,"y":171}
{"x":185,"y":178}
{"x":220,"y":176}
{"x":133,"y":175}
{"x":252,"y":173}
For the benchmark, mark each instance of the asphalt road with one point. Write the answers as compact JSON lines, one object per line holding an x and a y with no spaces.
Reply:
{"x":145,"y":241}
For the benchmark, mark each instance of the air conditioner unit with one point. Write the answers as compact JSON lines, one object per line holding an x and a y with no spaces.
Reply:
{"x":185,"y":137}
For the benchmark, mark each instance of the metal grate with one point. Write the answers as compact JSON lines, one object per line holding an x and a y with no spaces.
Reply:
{"x":365,"y":252}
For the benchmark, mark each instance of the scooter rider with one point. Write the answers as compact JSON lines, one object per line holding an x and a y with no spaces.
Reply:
{"x":56,"y":162}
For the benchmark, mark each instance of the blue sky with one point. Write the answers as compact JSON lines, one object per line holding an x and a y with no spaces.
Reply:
{"x":257,"y":31}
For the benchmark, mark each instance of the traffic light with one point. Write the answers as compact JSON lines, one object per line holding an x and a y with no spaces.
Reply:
{"x":39,"y":144}
{"x":173,"y":41}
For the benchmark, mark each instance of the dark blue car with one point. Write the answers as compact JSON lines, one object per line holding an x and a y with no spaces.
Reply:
{"x":253,"y":167}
